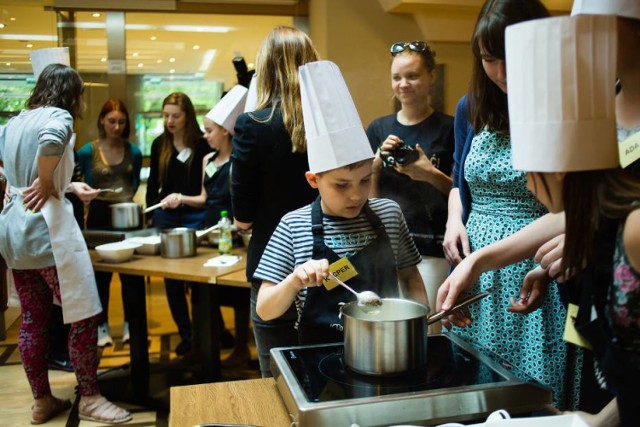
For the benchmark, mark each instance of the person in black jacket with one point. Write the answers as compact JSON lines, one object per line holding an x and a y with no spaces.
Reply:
{"x":268,"y":166}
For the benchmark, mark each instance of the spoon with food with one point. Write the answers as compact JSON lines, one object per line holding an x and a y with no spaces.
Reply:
{"x":365,"y":298}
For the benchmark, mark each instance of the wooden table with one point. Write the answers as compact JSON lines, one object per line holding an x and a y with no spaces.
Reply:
{"x":188,"y":269}
{"x":252,"y":402}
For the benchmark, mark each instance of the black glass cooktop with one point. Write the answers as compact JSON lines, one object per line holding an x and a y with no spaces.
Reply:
{"x":324,"y":376}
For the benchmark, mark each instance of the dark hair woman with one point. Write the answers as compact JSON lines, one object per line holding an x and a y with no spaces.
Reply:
{"x":42,"y":243}
{"x":176,"y":169}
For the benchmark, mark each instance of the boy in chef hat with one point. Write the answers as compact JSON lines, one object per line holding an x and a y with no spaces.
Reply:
{"x":567,"y":144}
{"x":360,"y":240}
{"x":215,"y":197}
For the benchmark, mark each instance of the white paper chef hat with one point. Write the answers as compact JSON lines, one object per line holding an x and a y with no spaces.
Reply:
{"x":335,"y":136}
{"x":42,"y":57}
{"x":624,"y":8}
{"x":252,"y":96}
{"x":561,"y":90}
{"x":230,"y":106}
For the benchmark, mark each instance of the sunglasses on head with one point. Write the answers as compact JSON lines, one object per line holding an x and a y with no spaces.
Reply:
{"x":416,"y":46}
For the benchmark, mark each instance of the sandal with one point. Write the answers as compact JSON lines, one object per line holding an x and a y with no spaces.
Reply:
{"x":102,"y":411}
{"x":42,"y":414}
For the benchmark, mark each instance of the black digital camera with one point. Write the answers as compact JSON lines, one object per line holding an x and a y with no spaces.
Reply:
{"x":403,"y":155}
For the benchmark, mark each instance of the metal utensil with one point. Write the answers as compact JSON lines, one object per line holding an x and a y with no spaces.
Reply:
{"x":112,"y":190}
{"x":153,"y":207}
{"x":462,"y":304}
{"x":365,"y":298}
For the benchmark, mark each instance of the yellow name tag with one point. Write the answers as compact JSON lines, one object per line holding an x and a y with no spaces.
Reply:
{"x":629,"y":150}
{"x":570,"y":333}
{"x":343,"y":270}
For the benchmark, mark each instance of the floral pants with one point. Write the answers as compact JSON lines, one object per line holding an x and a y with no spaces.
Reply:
{"x":36,"y":290}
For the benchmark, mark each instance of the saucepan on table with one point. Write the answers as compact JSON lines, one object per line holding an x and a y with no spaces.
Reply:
{"x":391,"y":340}
{"x":181,"y":242}
{"x":125,"y":216}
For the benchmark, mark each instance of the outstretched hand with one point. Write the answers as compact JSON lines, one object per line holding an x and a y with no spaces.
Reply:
{"x":454,"y":289}
{"x":532,"y":293}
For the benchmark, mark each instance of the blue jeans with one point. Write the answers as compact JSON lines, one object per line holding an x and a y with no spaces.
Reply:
{"x":270,"y":334}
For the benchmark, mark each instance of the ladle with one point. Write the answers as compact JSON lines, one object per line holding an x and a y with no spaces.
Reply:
{"x":365,"y":298}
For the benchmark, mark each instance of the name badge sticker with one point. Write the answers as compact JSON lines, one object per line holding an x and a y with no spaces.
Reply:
{"x":570,"y":333}
{"x":210,"y":170}
{"x":184,"y":155}
{"x":629,"y":150}
{"x":343,"y":270}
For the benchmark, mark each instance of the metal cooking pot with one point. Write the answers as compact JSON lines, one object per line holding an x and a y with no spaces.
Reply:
{"x":125,"y":216}
{"x":388,"y":341}
{"x":178,"y":242}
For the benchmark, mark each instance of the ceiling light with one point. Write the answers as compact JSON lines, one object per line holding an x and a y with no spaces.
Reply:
{"x":29,"y":45}
{"x":103,"y":59}
{"x":172,"y":59}
{"x":159,"y":61}
{"x":1,"y":25}
{"x":8,"y":64}
{"x":12,"y":19}
{"x":134,"y":54}
{"x":140,"y":65}
{"x":250,"y":65}
{"x":153,"y":38}
{"x":196,"y":46}
{"x":95,"y":15}
{"x":172,"y":71}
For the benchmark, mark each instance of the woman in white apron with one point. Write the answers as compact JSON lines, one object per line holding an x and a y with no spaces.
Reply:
{"x":43,"y":245}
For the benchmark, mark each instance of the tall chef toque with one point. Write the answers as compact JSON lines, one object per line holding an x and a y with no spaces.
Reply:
{"x":335,"y":136}
{"x":252,"y":96}
{"x":624,"y":8}
{"x":230,"y":106}
{"x":42,"y":57}
{"x":561,"y":82}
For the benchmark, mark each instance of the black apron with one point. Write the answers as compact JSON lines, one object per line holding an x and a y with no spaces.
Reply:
{"x":375,"y":264}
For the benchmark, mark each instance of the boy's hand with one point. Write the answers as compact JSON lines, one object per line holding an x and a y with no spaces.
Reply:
{"x":311,"y":273}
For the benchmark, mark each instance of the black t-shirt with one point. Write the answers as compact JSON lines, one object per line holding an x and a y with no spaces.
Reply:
{"x":423,"y":206}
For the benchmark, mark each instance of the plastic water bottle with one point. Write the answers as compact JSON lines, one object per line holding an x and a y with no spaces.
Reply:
{"x":225,"y":243}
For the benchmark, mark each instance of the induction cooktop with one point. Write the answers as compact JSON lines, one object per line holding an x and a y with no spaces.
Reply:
{"x":458,"y":384}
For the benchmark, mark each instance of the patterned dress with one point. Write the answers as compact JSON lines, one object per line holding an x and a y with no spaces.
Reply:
{"x":531,"y":344}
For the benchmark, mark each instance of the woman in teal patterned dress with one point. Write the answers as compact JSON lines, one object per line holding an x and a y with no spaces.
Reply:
{"x":493,"y":200}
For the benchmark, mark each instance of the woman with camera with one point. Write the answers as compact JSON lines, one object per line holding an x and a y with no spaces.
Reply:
{"x":414,"y":157}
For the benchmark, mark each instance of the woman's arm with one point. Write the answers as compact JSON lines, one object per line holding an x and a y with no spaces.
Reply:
{"x":631,"y":239}
{"x":456,"y":241}
{"x":516,"y":247}
{"x":423,"y":170}
{"x":42,"y":188}
{"x":136,"y":155}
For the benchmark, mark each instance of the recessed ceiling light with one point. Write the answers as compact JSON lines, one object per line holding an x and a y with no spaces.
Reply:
{"x":159,"y":61}
{"x":172,"y":71}
{"x":153,"y":38}
{"x":29,"y":45}
{"x":196,"y":46}
{"x":8,"y":64}
{"x":12,"y":19}
{"x":103,"y":59}
{"x":96,"y":15}
{"x":134,"y":54}
{"x":172,"y":59}
{"x":1,"y":25}
{"x":140,"y":65}
{"x":250,"y":65}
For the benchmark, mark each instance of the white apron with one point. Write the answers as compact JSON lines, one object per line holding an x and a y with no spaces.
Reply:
{"x":78,"y":289}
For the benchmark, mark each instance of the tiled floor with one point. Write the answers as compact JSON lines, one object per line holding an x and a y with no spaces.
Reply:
{"x":15,"y":395}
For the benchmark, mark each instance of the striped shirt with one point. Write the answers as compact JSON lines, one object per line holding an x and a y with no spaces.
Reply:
{"x":291,"y":244}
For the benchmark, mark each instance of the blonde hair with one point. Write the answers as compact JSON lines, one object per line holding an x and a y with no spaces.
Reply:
{"x":282,"y":52}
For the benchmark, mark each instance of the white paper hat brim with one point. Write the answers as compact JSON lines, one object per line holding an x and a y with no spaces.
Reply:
{"x":42,"y":57}
{"x":338,"y":149}
{"x":623,"y":8}
{"x":226,"y":111}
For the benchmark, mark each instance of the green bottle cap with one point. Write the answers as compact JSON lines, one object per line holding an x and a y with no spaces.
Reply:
{"x":224,"y":214}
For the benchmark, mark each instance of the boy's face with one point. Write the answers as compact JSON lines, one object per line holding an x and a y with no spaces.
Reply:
{"x":344,"y":191}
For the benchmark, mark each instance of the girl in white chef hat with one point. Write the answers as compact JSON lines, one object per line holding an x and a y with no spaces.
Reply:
{"x":567,"y":145}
